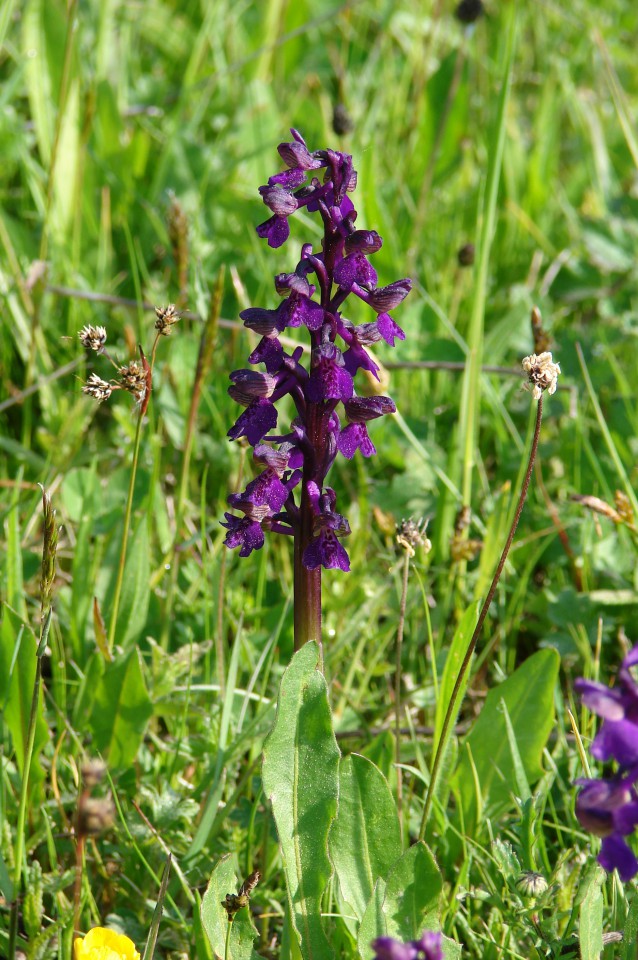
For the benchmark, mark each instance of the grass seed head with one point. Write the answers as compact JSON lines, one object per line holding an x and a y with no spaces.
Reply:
{"x":93,"y":338}
{"x":97,"y":388}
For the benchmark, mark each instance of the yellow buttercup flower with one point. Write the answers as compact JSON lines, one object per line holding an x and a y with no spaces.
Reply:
{"x":100,"y":943}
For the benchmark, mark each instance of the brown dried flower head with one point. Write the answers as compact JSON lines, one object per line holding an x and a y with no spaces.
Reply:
{"x":93,"y":338}
{"x":411,"y":534}
{"x":95,"y":815}
{"x":133,"y":380}
{"x":93,"y":772}
{"x":97,"y":388}
{"x":542,"y":373}
{"x":166,"y":318}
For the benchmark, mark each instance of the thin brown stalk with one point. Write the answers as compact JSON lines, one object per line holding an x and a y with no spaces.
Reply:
{"x":452,"y":706}
{"x":397,"y":686}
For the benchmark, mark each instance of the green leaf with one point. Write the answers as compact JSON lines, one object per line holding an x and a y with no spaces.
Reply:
{"x":414,"y":887}
{"x":365,"y":839}
{"x":300,"y":778}
{"x":215,"y":919}
{"x":136,"y":591}
{"x":17,"y":675}
{"x":373,"y":922}
{"x":529,"y":698}
{"x":591,"y":918}
{"x":122,"y":708}
{"x":453,"y":663}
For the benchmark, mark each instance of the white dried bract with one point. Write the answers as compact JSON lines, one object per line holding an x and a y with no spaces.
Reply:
{"x":97,"y":388}
{"x":542,"y":373}
{"x":166,"y":317}
{"x":93,"y":338}
{"x":411,"y":534}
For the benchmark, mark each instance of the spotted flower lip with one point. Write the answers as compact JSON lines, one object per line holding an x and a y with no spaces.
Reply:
{"x":290,"y":494}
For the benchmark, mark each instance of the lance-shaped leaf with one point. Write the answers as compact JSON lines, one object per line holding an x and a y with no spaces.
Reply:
{"x":412,"y":894}
{"x":300,"y":778}
{"x":365,"y":840}
{"x":121,"y":710}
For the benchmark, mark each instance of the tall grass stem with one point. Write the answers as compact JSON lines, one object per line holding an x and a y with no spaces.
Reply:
{"x":452,"y":705}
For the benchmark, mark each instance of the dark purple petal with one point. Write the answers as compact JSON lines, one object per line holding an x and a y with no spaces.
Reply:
{"x":275,"y":230}
{"x":249,"y":385}
{"x":385,"y":298}
{"x":615,"y":854}
{"x":355,"y":268}
{"x":385,"y":948}
{"x":296,"y":154}
{"x":388,"y":329}
{"x":255,"y":422}
{"x":264,"y":322}
{"x":265,"y":490}
{"x":356,"y":358}
{"x":355,"y":437}
{"x":299,"y":309}
{"x":362,"y":409}
{"x":617,"y":740}
{"x":270,"y":352}
{"x":288,"y":179}
{"x":243,"y":532}
{"x":600,"y":699}
{"x":430,"y":945}
{"x":328,"y":378}
{"x":363,"y":241}
{"x":280,"y":201}
{"x":326,"y":551}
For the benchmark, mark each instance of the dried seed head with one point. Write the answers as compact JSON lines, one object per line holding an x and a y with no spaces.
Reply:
{"x":93,"y":772}
{"x":411,"y":534}
{"x":341,"y":120}
{"x":49,"y":551}
{"x":542,"y":373}
{"x":134,"y":380}
{"x":97,"y":388}
{"x":468,"y":11}
{"x":466,"y":255}
{"x":93,"y":338}
{"x":95,"y":815}
{"x":234,"y":902}
{"x":624,"y":508}
{"x":166,"y":317}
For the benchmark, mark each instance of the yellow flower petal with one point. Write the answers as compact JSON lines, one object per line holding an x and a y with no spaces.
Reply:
{"x":100,"y":943}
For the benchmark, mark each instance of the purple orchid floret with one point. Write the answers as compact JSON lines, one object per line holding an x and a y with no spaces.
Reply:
{"x":330,"y":417}
{"x":608,"y":807}
{"x":428,"y":947}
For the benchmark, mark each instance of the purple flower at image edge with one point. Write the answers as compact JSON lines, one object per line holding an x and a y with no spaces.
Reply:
{"x":608,"y":807}
{"x":428,"y":947}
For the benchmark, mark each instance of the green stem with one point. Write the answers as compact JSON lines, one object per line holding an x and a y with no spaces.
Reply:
{"x":451,"y":708}
{"x":397,"y":687}
{"x":127,"y":521}
{"x":227,"y":946}
{"x":24,"y":788}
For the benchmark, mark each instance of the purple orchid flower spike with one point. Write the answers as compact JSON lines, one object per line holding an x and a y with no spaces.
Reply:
{"x":290,"y":496}
{"x":608,"y":807}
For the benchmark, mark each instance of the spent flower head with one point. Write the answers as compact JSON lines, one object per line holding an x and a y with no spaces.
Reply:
{"x":93,"y":338}
{"x":412,"y":534}
{"x":97,"y":388}
{"x":331,"y":417}
{"x":542,"y":373}
{"x":167,"y":317}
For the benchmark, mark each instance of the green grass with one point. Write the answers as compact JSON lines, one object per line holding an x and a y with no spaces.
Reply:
{"x":517,"y":137}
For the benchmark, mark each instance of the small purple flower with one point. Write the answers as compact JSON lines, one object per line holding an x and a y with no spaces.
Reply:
{"x":313,"y":293}
{"x":608,"y":807}
{"x":428,"y":947}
